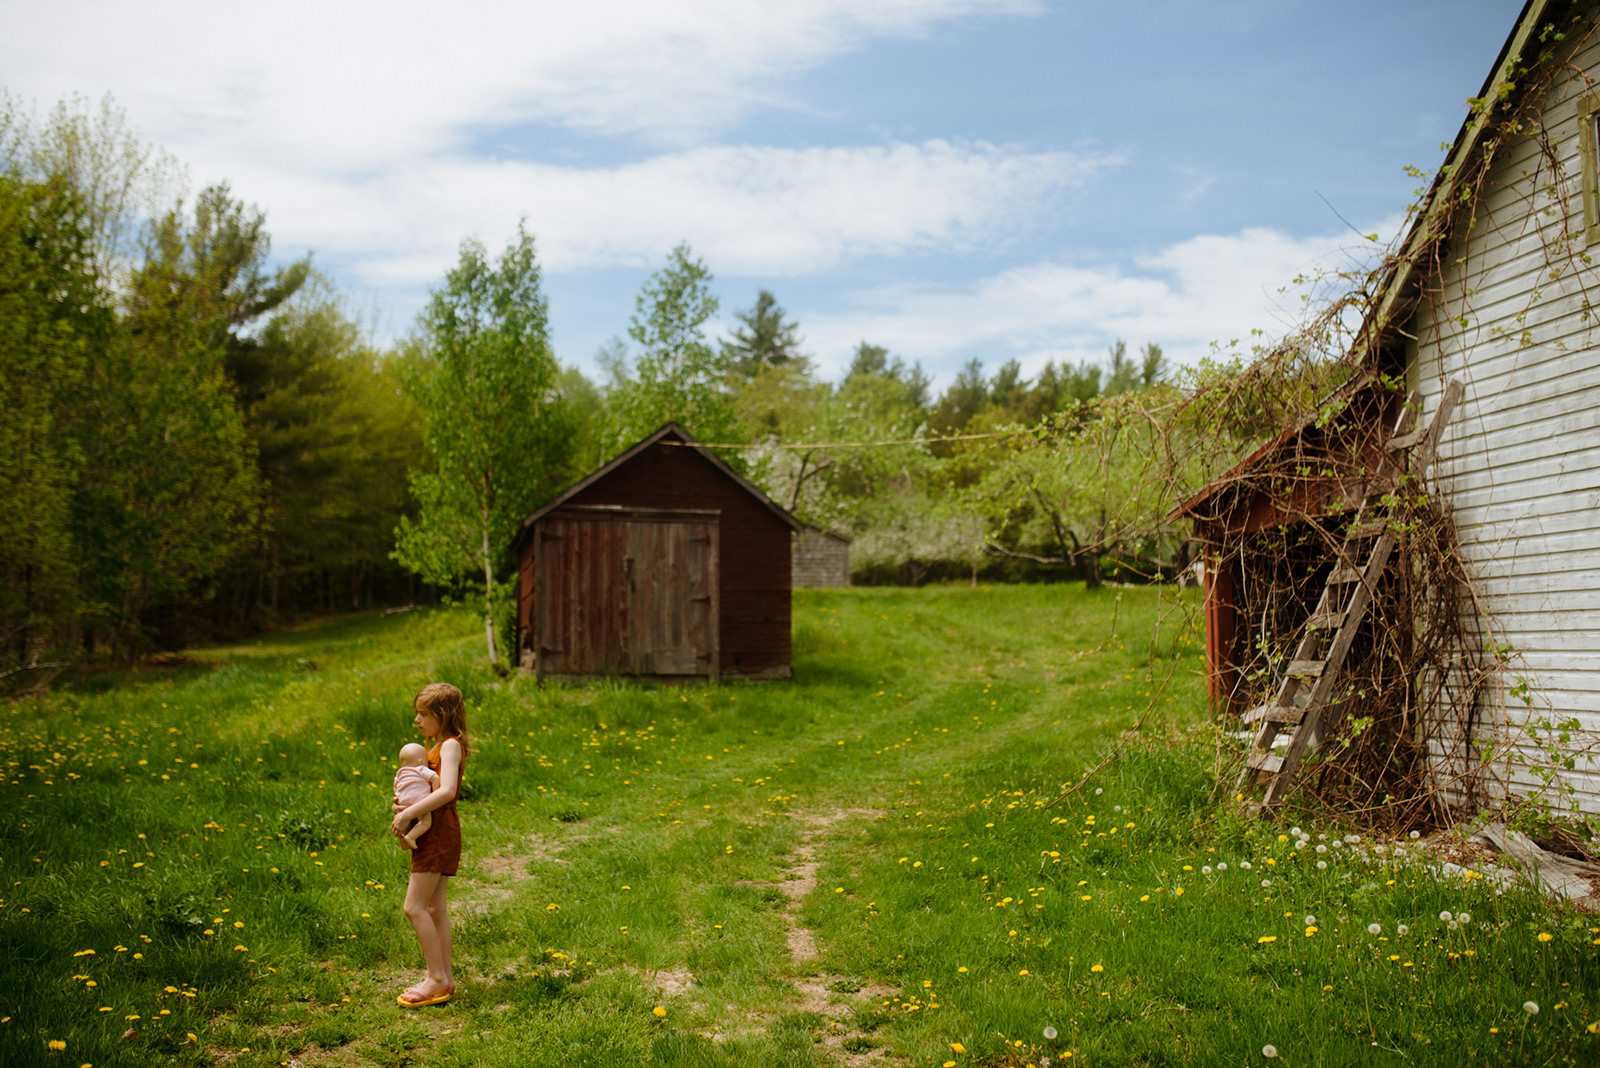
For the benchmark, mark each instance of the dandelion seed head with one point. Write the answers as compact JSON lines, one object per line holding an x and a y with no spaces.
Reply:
{"x":1322,"y":865}
{"x":1269,"y":1051}
{"x":1531,"y":1008}
{"x":1265,"y":883}
{"x":1311,"y":921}
{"x":1050,"y":1033}
{"x":1452,"y":925}
{"x":1374,"y":928}
{"x":1222,"y":865}
{"x":1205,"y":869}
{"x":1414,"y":835}
{"x":1322,"y":848}
{"x":1403,"y":930}
{"x":1463,"y":917}
{"x":1445,"y":916}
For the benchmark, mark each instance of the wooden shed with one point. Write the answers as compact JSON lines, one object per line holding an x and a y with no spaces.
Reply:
{"x":1490,"y":299}
{"x":1263,"y":561}
{"x":821,"y":558}
{"x":665,"y":562}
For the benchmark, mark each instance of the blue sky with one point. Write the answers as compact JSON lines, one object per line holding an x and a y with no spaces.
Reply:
{"x":954,"y":179}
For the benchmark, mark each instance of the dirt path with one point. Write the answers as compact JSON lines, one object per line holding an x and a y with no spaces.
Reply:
{"x":834,"y":997}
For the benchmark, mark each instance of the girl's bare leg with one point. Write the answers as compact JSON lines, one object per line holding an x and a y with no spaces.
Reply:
{"x":421,"y":891}
{"x":439,"y":909}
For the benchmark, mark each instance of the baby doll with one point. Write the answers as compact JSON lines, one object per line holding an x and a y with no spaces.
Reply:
{"x":414,"y":781}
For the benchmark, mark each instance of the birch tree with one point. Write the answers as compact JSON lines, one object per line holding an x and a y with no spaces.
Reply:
{"x":484,"y":378}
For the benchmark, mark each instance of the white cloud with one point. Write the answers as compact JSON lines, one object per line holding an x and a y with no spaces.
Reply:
{"x":1204,"y":289}
{"x":747,"y":210}
{"x":346,"y":86}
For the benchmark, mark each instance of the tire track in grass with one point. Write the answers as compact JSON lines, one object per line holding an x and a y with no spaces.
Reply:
{"x":832,"y":997}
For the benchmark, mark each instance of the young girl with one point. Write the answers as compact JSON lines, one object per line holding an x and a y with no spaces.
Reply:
{"x":442,"y":719}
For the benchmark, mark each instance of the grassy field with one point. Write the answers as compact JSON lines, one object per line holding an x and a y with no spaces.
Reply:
{"x":867,"y":865}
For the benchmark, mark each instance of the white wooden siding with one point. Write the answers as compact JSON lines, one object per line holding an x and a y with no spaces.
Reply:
{"x":1519,"y":463}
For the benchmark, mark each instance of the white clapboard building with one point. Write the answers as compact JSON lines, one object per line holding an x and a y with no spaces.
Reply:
{"x":1497,"y":287}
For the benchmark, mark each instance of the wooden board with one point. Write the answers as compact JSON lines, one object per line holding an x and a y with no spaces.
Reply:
{"x":629,"y":593}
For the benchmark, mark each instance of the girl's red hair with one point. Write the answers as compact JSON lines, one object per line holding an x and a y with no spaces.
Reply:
{"x":444,"y":702}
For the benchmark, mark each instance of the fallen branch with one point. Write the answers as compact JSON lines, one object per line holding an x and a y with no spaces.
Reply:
{"x":35,"y":666}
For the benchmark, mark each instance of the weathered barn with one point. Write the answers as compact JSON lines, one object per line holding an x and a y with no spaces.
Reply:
{"x":821,"y":558}
{"x":664,"y":562}
{"x":1492,"y":288}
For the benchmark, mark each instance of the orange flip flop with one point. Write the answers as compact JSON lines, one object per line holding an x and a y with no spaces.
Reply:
{"x":414,"y":999}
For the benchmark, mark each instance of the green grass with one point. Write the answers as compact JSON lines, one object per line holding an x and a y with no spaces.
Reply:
{"x":202,"y":850}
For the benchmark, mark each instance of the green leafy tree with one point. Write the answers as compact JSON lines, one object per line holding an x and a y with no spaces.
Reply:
{"x":120,"y":182}
{"x":872,"y":362}
{"x":965,"y":398}
{"x":171,"y":493}
{"x":585,"y":409}
{"x":51,"y":317}
{"x":498,"y":441}
{"x":676,"y":374}
{"x":334,"y":438}
{"x":762,"y":339}
{"x":1087,"y":485}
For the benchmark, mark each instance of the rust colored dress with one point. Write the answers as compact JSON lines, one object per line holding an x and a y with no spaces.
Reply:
{"x":440,"y":849}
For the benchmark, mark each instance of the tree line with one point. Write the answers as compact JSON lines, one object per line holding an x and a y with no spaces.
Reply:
{"x":200,"y":444}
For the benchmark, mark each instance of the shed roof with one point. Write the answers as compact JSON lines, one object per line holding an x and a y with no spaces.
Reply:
{"x":808,"y":527}
{"x":1295,"y":428}
{"x":671,"y":433}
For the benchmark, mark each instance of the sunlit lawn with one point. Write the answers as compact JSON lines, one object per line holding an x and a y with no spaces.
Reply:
{"x":196,"y":865}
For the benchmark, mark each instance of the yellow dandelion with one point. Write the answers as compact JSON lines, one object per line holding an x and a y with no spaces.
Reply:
{"x":1264,"y":939}
{"x":958,"y":1047}
{"x":1098,"y":968}
{"x":659,"y":1011}
{"x":1545,"y":936}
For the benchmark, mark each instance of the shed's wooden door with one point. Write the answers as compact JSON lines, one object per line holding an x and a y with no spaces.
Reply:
{"x":631,"y":594}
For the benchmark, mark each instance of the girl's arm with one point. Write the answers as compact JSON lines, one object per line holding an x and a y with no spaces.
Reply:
{"x":443,"y":794}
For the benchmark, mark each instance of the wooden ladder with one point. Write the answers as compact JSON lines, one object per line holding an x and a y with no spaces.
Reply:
{"x":1311,"y":680}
